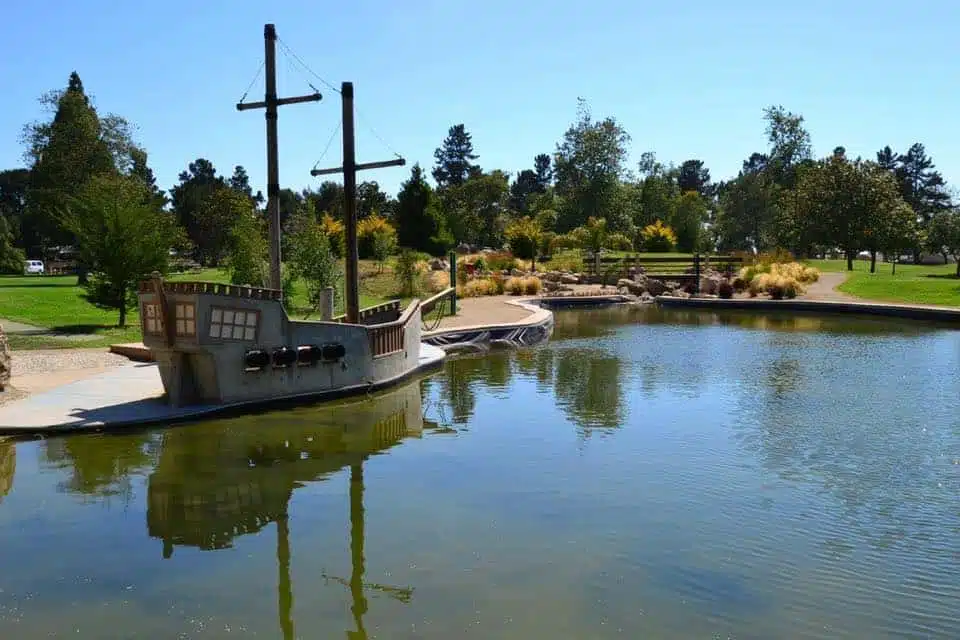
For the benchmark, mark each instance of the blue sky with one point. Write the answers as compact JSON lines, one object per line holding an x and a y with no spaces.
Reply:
{"x":687,"y":79}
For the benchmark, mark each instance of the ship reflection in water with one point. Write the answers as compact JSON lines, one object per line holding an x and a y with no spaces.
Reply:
{"x":233,"y":478}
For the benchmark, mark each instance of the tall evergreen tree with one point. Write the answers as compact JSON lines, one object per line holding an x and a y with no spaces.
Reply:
{"x":13,"y":207}
{"x":419,"y":223}
{"x":65,"y":152}
{"x":454,"y":158}
{"x":189,"y":199}
{"x":693,"y":176}
{"x":542,"y":166}
{"x":240,"y":182}
{"x":923,"y":188}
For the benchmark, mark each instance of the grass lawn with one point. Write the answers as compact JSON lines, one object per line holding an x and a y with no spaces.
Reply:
{"x":56,"y":303}
{"x":912,"y":284}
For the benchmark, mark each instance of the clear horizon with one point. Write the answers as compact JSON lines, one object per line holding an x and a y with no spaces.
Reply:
{"x":686,"y":82}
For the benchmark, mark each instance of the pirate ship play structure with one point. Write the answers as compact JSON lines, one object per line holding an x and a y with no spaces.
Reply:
{"x":222,"y":344}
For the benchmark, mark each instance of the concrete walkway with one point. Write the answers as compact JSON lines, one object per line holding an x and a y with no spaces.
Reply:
{"x":826,"y":288}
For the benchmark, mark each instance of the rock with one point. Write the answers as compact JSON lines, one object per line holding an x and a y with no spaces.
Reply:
{"x":464,"y":248}
{"x":570,"y":278}
{"x":550,"y":276}
{"x":655,"y":287}
{"x":646,"y":298}
{"x":5,"y":360}
{"x":671,"y":285}
{"x":624,"y":283}
{"x":439,"y":264}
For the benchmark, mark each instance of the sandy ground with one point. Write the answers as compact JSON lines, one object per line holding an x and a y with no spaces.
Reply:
{"x":37,"y":371}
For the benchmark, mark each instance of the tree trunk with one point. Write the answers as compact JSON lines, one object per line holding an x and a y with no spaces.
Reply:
{"x":873,"y":262}
{"x":83,"y":274}
{"x":958,"y":265}
{"x":122,"y":322}
{"x":894,"y":271}
{"x":849,"y":261}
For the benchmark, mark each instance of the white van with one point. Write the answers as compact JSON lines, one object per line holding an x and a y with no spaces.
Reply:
{"x":33,"y":267}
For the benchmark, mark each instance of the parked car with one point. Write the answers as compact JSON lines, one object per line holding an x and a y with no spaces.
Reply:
{"x":33,"y":267}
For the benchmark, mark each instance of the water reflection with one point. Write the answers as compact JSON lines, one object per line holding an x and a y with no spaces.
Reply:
{"x":100,"y":466}
{"x":231,"y":478}
{"x":8,"y":467}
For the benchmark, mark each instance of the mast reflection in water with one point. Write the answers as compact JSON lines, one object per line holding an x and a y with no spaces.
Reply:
{"x":234,"y":478}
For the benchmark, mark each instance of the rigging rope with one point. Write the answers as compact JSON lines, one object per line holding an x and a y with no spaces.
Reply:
{"x":439,"y":318}
{"x":288,"y":51}
{"x":250,"y":86}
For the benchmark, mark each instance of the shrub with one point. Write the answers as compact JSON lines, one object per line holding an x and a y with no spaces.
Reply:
{"x":658,"y":238}
{"x":501,"y":261}
{"x":739,"y":284}
{"x":480,"y":265}
{"x":372,"y":229}
{"x":532,"y":285}
{"x":514,"y":286}
{"x":312,"y":260}
{"x":619,"y":242}
{"x":725,"y":289}
{"x":384,"y":244}
{"x":409,"y":269}
{"x":499,"y":284}
{"x":437,"y":281}
{"x":776,"y":285}
{"x":777,"y":256}
{"x":524,"y":238}
{"x":478,"y":287}
{"x":565,"y":261}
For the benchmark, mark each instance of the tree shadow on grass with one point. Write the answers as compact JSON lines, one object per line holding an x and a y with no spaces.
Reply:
{"x":943,"y":276}
{"x":78,"y":329}
{"x":39,"y":285}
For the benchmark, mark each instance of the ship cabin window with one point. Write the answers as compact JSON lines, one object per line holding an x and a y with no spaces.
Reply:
{"x":186,"y":320}
{"x":152,"y":319}
{"x":233,"y":324}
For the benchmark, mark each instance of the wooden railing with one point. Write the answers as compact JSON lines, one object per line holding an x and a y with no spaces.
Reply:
{"x":389,"y":337}
{"x":662,"y":267}
{"x":213,"y":288}
{"x":431,"y":303}
{"x":376,"y":313}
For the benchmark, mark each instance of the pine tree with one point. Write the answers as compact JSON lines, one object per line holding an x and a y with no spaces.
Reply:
{"x":923,"y":188}
{"x":454,"y":158}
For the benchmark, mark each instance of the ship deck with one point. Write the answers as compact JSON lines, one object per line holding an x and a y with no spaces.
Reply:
{"x":132,"y":395}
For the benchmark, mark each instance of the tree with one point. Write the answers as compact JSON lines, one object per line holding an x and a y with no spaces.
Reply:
{"x":13,"y":207}
{"x":454,"y":158}
{"x":658,"y":238}
{"x":371,"y":200}
{"x":419,"y":223}
{"x":543,"y":171}
{"x":65,"y":152}
{"x":328,"y":198}
{"x":475,"y":210}
{"x":749,"y":211}
{"x":313,"y":261}
{"x":588,"y":166}
{"x":657,"y":191}
{"x":789,"y":144}
{"x":11,"y":257}
{"x":524,"y":185}
{"x":140,"y":170}
{"x":693,"y":176}
{"x":687,"y":219}
{"x":220,"y":213}
{"x":923,"y":188}
{"x":189,"y":199}
{"x":240,"y":182}
{"x":248,"y":253}
{"x":943,"y":235}
{"x":121,"y":235}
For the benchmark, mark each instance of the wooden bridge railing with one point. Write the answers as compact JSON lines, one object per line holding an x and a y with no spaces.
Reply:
{"x":664,"y":267}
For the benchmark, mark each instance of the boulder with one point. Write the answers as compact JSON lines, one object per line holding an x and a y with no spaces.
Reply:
{"x":439,"y":264}
{"x":570,"y":278}
{"x":550,"y":276}
{"x":6,"y":367}
{"x":646,"y":298}
{"x":655,"y":287}
{"x":463,"y":248}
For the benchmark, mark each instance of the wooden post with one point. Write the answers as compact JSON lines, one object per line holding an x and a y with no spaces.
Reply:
{"x":349,"y":170}
{"x":326,"y":304}
{"x":270,"y":104}
{"x":273,"y":153}
{"x":350,"y":206}
{"x":696,"y":272}
{"x":453,"y":282}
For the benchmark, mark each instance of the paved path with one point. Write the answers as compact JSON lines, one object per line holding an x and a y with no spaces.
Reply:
{"x":9,"y":326}
{"x":826,"y":288}
{"x":485,"y":310}
{"x":19,"y":328}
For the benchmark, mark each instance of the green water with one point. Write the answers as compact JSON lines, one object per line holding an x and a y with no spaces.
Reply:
{"x":646,"y":474}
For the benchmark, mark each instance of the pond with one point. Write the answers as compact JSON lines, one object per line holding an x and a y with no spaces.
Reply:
{"x":645,"y":474}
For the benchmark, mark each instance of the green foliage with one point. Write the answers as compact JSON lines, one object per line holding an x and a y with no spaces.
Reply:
{"x":501,"y":261}
{"x":312,"y":260}
{"x":420,"y":225}
{"x":11,"y":258}
{"x":588,"y":166}
{"x":524,"y":237}
{"x":121,"y":235}
{"x":943,"y":234}
{"x":369,"y":230}
{"x":249,"y":253}
{"x":474,"y":210}
{"x":689,"y":214}
{"x":384,"y":246}
{"x":193,"y":200}
{"x":454,"y":158}
{"x":409,"y":271}
{"x":658,"y":238}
